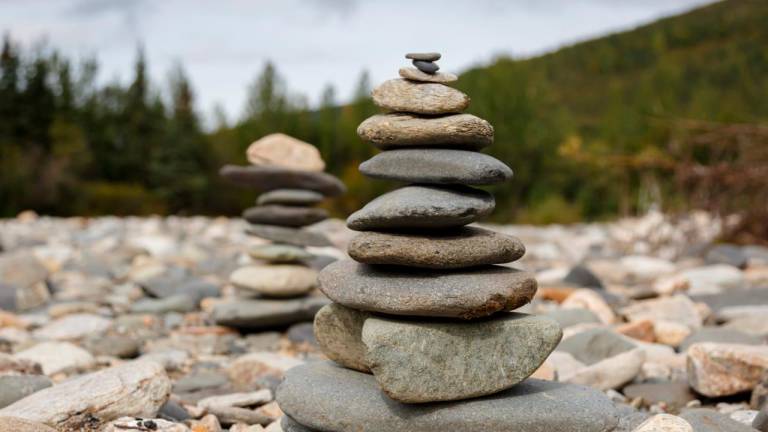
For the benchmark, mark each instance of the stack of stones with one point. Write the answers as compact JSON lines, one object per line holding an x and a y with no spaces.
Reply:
{"x":290,"y":174}
{"x":420,"y":331}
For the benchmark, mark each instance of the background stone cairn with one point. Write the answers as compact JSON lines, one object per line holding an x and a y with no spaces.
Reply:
{"x":422,"y":314}
{"x":289,"y":172}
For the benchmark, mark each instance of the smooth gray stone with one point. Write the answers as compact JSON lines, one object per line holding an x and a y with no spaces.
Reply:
{"x":17,"y":387}
{"x":721,"y":335}
{"x":569,"y":317}
{"x":466,"y":293}
{"x":326,"y":397}
{"x":423,"y":207}
{"x":268,"y":178}
{"x":727,"y":254}
{"x":173,"y":411}
{"x":287,"y":216}
{"x":429,"y":361}
{"x":594,"y":345}
{"x":291,"y":236}
{"x":7,"y":297}
{"x":427,"y":67}
{"x":113,"y":345}
{"x":393,"y":131}
{"x":437,"y":166}
{"x":581,"y":276}
{"x":178,"y":303}
{"x":294,"y":197}
{"x":177,"y":281}
{"x":279,"y":253}
{"x":290,"y":425}
{"x":675,"y":394}
{"x":733,"y":297}
{"x":708,"y":420}
{"x":430,"y":56}
{"x":261,"y":314}
{"x":629,"y":418}
{"x":457,"y":248}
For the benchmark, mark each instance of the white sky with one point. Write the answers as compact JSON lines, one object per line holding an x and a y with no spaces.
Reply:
{"x":224,"y":44}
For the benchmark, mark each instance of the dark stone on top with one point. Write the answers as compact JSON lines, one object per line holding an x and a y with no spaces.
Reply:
{"x":294,"y":197}
{"x":430,"y":56}
{"x":326,"y":397}
{"x":281,"y":215}
{"x":437,"y":166}
{"x":423,"y":207}
{"x":581,"y":276}
{"x":268,"y":178}
{"x":426,"y":66}
{"x":291,"y":236}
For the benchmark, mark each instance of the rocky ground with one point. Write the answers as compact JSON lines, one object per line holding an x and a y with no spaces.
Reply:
{"x":126,"y":324}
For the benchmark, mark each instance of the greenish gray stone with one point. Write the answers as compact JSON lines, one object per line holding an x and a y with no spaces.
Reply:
{"x":291,"y":236}
{"x":294,"y":197}
{"x":423,"y":207}
{"x":338,"y":330}
{"x":279,"y":253}
{"x":268,"y":178}
{"x":430,"y":361}
{"x":282,"y":215}
{"x":466,"y":293}
{"x":455,"y":248}
{"x":437,"y":166}
{"x":262,"y":314}
{"x":326,"y":397}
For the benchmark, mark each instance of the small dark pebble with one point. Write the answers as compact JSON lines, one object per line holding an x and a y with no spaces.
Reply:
{"x":426,"y":67}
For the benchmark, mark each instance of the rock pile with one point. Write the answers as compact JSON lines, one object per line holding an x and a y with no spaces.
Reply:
{"x":422,"y":314}
{"x":289,"y":172}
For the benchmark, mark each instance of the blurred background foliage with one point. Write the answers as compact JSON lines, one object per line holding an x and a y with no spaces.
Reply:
{"x":592,"y":131}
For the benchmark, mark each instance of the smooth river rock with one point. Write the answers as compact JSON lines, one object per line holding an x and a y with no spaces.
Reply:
{"x":263,"y":314}
{"x":415,"y":74}
{"x":402,"y":95}
{"x":291,"y":236}
{"x":427,"y":67}
{"x":468,"y":293}
{"x":281,"y":215}
{"x":279,"y":253}
{"x":295,"y":197}
{"x":87,"y":402}
{"x":267,"y":178}
{"x":281,"y":280}
{"x":423,"y":207}
{"x":429,"y":361}
{"x":285,"y":151}
{"x":339,"y":330}
{"x":393,"y":131}
{"x":456,"y":248}
{"x":429,"y":56}
{"x":437,"y":166}
{"x":326,"y":397}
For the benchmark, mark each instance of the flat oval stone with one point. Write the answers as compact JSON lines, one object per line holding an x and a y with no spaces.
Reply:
{"x":295,"y":197}
{"x":427,"y":67}
{"x":281,"y":215}
{"x":393,"y":131}
{"x":264,"y":314}
{"x":414,"y":74}
{"x":430,"y":56}
{"x":423,"y":207}
{"x":338,"y":331}
{"x":268,"y":178}
{"x":430,"y":361}
{"x":282,"y":280}
{"x":279,"y":253}
{"x":467,"y":293}
{"x":457,"y":248}
{"x":292,"y":236}
{"x":437,"y":166}
{"x":421,"y":98}
{"x":322,"y":396}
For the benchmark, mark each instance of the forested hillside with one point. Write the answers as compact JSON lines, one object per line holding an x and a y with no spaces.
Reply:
{"x":591,"y":130}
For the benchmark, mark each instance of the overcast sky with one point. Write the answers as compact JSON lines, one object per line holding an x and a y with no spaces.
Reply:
{"x":224,"y":43}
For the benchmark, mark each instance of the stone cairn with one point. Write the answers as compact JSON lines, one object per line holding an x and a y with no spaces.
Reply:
{"x":422,"y":314}
{"x":290,"y":174}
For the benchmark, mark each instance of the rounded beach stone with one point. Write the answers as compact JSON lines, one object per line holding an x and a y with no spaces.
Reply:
{"x":427,"y":67}
{"x":283,"y":280}
{"x":423,"y":207}
{"x":455,"y":248}
{"x":326,"y":397}
{"x":430,"y":361}
{"x":430,"y":56}
{"x":421,"y":98}
{"x":282,"y":150}
{"x":279,"y":253}
{"x":393,"y":131}
{"x":437,"y":166}
{"x":414,"y":74}
{"x":263,"y":314}
{"x":468,"y":293}
{"x":292,"y":236}
{"x":268,"y":178}
{"x":338,"y":331}
{"x":274,"y":214}
{"x":294,"y":197}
